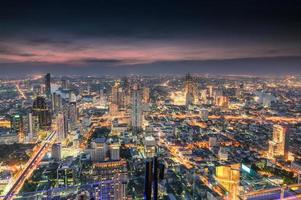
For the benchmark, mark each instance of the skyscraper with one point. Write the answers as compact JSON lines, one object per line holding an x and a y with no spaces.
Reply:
{"x":189,"y":90}
{"x":32,"y":126}
{"x":16,"y":124}
{"x":60,"y":125}
{"x":114,"y":95}
{"x":41,"y":110}
{"x":72,"y":114}
{"x":150,"y":146}
{"x":64,"y":84}
{"x":136,"y":109}
{"x":114,"y":151}
{"x":229,"y":178}
{"x":56,"y":102}
{"x":56,"y":151}
{"x":278,"y":146}
{"x":118,"y":95}
{"x":146,"y":95}
{"x":47,"y":85}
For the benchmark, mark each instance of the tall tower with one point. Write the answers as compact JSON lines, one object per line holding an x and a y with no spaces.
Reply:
{"x":115,"y":89}
{"x":72,"y":114}
{"x":41,"y":110}
{"x":146,"y":95}
{"x":278,"y":146}
{"x":118,"y":95}
{"x":16,"y":124}
{"x":136,"y":109}
{"x":30,"y":127}
{"x":56,"y":102}
{"x":47,"y":85}
{"x":60,"y":125}
{"x":189,"y":90}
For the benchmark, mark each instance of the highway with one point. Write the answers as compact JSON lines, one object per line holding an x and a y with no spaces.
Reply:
{"x":20,"y":92}
{"x":30,"y":167}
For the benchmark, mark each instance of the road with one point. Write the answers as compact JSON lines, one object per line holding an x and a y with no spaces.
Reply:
{"x":20,"y":91}
{"x":234,"y":117}
{"x":30,"y":166}
{"x":174,"y":151}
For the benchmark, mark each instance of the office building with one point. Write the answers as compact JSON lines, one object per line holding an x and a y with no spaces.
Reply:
{"x":56,"y":151}
{"x":16,"y":124}
{"x":60,"y":125}
{"x":72,"y":115}
{"x":278,"y":146}
{"x":189,"y":90}
{"x":41,"y":110}
{"x":47,"y":80}
{"x":98,"y":150}
{"x":136,"y":109}
{"x":65,"y":84}
{"x":150,"y":146}
{"x":229,"y":177}
{"x":204,"y":114}
{"x":114,"y":151}
{"x":146,"y":95}
{"x":56,"y":102}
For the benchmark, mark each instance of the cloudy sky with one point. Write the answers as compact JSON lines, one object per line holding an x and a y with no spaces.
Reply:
{"x":150,"y":37}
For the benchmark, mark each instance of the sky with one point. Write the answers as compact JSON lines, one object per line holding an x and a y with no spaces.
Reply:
{"x":150,"y":37}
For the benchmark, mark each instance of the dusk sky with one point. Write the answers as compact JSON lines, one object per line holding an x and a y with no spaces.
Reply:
{"x":150,"y":37}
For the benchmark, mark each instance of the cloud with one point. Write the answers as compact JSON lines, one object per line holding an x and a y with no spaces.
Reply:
{"x":132,"y":52}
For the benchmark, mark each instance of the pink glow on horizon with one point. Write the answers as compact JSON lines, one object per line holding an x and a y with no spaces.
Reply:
{"x":128,"y":54}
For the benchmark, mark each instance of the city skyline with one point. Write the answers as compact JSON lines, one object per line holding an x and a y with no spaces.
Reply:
{"x":150,"y":100}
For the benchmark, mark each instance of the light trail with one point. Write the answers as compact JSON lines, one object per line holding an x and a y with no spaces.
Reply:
{"x":235,"y":117}
{"x":30,"y":167}
{"x":20,"y":91}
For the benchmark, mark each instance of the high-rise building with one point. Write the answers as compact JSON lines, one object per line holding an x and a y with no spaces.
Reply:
{"x":99,"y":149}
{"x":189,"y":90}
{"x":30,"y":125}
{"x":72,"y":97}
{"x":102,"y":98}
{"x":56,"y":102}
{"x":204,"y":114}
{"x":150,"y":146}
{"x":114,"y":151}
{"x":118,"y":95}
{"x":222,"y":101}
{"x":48,"y":85}
{"x":210,"y":88}
{"x":136,"y":109}
{"x":114,"y":179}
{"x":56,"y":151}
{"x":16,"y":124}
{"x":40,"y":109}
{"x":65,"y":84}
{"x":229,"y":177}
{"x":146,"y":95}
{"x":278,"y":146}
{"x":60,"y":125}
{"x":115,"y":90}
{"x":72,"y":115}
{"x":204,"y":96}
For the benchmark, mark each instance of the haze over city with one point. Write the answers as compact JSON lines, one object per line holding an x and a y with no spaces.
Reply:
{"x":150,"y":100}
